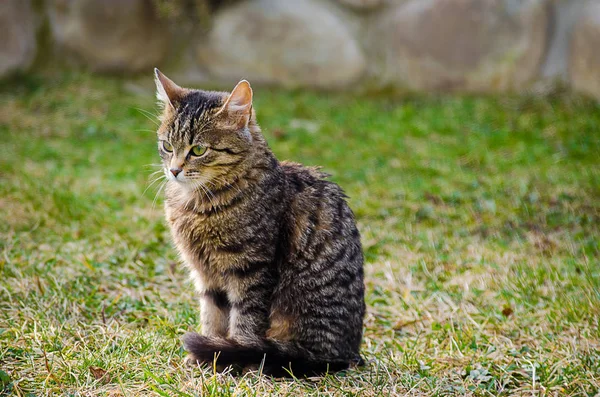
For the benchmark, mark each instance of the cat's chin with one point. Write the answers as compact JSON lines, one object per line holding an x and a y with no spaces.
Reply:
{"x":181,"y":180}
{"x":185,"y":186}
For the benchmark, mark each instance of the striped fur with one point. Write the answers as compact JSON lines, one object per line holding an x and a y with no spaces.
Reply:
{"x":272,"y":246}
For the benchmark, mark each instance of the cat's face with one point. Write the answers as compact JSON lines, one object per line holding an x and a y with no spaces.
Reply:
{"x":204,"y":139}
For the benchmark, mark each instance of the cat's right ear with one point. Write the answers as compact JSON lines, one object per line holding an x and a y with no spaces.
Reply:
{"x":238,"y":105}
{"x":167,"y":92}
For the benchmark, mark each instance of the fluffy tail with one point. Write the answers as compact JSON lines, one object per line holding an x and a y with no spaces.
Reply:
{"x":278,"y":360}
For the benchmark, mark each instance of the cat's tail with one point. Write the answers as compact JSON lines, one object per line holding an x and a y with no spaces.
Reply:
{"x":279,"y":359}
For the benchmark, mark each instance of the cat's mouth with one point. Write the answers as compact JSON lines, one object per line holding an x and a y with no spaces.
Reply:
{"x":190,"y":182}
{"x":179,"y":177}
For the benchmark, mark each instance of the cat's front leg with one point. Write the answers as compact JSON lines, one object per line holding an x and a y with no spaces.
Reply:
{"x":214,"y":313}
{"x":214,"y":306}
{"x":250,"y":307}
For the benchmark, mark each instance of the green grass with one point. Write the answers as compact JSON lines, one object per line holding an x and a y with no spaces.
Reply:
{"x":480,"y":220}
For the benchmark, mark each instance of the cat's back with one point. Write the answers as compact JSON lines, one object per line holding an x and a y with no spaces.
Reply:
{"x":322,"y":233}
{"x":317,"y":205}
{"x":321,"y":226}
{"x":322,"y":277}
{"x":310,"y":183}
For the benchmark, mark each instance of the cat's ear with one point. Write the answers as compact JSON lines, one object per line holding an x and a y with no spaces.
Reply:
{"x":166,"y":90}
{"x":238,"y":105}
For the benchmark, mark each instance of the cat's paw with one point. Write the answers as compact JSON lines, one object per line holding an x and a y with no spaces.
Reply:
{"x":253,"y":368}
{"x":191,"y":361}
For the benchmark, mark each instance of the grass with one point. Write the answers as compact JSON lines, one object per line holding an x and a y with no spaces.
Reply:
{"x":480,"y":219}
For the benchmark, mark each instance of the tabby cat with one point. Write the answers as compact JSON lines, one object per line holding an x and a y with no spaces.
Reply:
{"x":272,"y":246}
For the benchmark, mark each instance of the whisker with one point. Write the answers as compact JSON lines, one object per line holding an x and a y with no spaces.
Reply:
{"x":223,"y":181}
{"x":225,"y":184}
{"x":161,"y":187}
{"x":207,"y":192}
{"x":195,"y":187}
{"x":153,"y":182}
{"x":147,"y":114}
{"x":161,"y":171}
{"x":153,"y":165}
{"x":153,"y":177}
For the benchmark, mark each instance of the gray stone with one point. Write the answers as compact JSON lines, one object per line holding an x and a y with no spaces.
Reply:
{"x":18,"y":44}
{"x":109,"y":35}
{"x":467,"y":45}
{"x":566,"y":13}
{"x":584,"y":63}
{"x":295,"y":43}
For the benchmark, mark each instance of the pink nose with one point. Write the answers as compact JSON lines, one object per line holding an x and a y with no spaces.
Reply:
{"x":175,"y":171}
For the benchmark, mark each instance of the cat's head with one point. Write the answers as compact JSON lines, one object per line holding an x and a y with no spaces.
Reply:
{"x":206,"y":138}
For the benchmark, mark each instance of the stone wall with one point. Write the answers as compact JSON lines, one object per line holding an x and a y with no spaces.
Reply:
{"x":416,"y":45}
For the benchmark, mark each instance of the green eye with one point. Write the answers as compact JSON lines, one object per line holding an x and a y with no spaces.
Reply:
{"x":167,"y":146}
{"x":198,"y":150}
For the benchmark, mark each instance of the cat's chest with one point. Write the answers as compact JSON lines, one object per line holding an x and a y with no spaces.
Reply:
{"x":204,"y":242}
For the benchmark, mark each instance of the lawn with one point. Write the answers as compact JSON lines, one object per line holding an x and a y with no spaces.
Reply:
{"x":480,"y":222}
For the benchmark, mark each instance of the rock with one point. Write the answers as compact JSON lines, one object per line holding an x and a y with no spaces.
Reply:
{"x":18,"y":44}
{"x":566,"y":13}
{"x":299,"y":43}
{"x":467,"y":45}
{"x":584,"y":62}
{"x":109,"y":35}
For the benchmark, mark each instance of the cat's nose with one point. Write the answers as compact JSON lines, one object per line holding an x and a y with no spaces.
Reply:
{"x":175,"y":171}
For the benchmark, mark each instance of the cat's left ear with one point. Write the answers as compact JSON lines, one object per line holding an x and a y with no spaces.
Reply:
{"x":166,"y":90}
{"x":238,"y":105}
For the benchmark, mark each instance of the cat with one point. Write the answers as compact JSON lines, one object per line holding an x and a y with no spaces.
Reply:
{"x":272,"y":246}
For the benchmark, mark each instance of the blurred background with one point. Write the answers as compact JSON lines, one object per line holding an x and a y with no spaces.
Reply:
{"x":415,"y":45}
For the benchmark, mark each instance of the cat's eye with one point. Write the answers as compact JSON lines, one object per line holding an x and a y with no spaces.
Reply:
{"x":167,"y":146}
{"x":198,"y":150}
